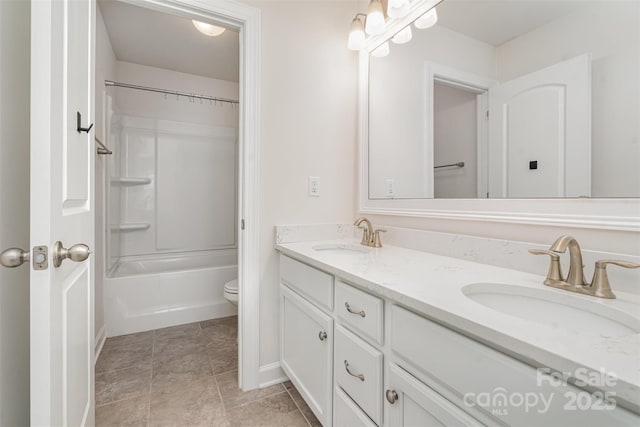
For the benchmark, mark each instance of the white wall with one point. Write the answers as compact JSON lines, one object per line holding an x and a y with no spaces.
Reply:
{"x":397,"y":109}
{"x":14,"y":210}
{"x":105,"y":70}
{"x":158,"y":106}
{"x":309,"y":114}
{"x":610,"y":32}
{"x":455,"y":113}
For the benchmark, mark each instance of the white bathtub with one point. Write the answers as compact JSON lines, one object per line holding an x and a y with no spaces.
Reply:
{"x":143,"y":294}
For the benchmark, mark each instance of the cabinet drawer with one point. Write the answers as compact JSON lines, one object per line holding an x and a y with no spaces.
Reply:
{"x":471,"y":371}
{"x":348,"y":414}
{"x":360,"y":311}
{"x":312,"y":283}
{"x":306,"y":349}
{"x":358,"y":370}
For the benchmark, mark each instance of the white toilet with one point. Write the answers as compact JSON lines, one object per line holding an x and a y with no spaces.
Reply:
{"x":231,"y":291}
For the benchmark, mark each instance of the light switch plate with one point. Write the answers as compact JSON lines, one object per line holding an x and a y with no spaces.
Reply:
{"x":314,"y":186}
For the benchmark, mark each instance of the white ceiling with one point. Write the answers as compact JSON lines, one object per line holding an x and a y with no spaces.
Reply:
{"x":156,"y":39}
{"x":498,"y":21}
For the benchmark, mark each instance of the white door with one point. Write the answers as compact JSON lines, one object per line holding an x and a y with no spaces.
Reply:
{"x":62,"y":209}
{"x":540,"y":133}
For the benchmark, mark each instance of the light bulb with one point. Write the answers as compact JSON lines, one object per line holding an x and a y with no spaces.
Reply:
{"x":398,"y":9}
{"x":427,"y":20}
{"x":375,"y":18}
{"x":382,"y":50}
{"x":356,"y":35}
{"x":403,"y":36}
{"x":208,"y":29}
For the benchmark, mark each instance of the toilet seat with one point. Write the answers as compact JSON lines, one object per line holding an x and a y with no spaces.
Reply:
{"x":231,"y":287}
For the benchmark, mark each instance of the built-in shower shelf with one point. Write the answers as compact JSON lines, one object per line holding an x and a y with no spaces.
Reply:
{"x":130,"y":181}
{"x":130,"y":227}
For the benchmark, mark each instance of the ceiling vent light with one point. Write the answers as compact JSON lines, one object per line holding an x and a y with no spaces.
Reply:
{"x":375,"y":18}
{"x":403,"y":35}
{"x":427,"y":20}
{"x":208,"y":29}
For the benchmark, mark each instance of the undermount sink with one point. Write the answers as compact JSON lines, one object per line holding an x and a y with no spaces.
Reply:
{"x":341,"y":249}
{"x":554,"y":309}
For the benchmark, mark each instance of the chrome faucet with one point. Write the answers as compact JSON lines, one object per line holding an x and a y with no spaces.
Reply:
{"x":599,"y":286}
{"x":369,"y":236}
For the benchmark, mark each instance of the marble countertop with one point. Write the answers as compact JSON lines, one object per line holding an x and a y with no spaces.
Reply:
{"x":432,"y":285}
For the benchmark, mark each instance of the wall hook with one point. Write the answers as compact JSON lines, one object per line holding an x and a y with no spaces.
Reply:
{"x":79,"y":122}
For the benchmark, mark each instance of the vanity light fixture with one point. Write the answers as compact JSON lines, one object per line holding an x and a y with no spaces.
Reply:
{"x":375,"y":23}
{"x":208,"y":29}
{"x":403,"y":35}
{"x":397,"y":8}
{"x":381,"y":51}
{"x":356,"y":33}
{"x":427,"y":20}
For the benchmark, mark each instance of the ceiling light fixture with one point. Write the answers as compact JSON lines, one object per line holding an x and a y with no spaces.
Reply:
{"x":208,"y":29}
{"x":381,"y":51}
{"x":356,"y":33}
{"x":397,"y":8}
{"x":403,"y":36}
{"x":427,"y":20}
{"x":375,"y":23}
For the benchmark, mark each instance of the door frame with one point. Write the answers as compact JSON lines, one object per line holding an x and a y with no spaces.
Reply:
{"x":437,"y":73}
{"x":247,"y":21}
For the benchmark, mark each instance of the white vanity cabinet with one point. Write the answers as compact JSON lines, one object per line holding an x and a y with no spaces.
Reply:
{"x":360,"y":359}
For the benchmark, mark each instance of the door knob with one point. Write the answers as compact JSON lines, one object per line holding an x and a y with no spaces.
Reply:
{"x":14,"y":257}
{"x":76,"y":253}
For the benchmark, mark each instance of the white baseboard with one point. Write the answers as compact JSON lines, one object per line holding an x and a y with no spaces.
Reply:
{"x":272,"y":374}
{"x":101,"y":337}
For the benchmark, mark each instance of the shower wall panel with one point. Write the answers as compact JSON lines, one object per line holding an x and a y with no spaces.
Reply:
{"x":177,"y":185}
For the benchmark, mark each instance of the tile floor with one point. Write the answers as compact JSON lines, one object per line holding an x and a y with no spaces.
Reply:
{"x":187,"y":376}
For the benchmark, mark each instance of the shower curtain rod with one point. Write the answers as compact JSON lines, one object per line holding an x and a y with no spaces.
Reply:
{"x":170,"y":92}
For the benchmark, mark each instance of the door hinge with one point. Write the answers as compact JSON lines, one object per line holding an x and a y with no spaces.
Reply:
{"x":242,"y":224}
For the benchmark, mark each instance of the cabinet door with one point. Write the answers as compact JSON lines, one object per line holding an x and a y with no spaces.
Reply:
{"x":306,"y":349}
{"x":417,"y":405}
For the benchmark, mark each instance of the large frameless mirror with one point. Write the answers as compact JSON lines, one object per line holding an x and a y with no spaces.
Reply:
{"x":509,"y":99}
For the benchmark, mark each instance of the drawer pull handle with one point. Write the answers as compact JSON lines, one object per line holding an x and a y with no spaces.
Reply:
{"x":359,"y":376}
{"x":392,"y":396}
{"x":350,"y":310}
{"x":322,"y":335}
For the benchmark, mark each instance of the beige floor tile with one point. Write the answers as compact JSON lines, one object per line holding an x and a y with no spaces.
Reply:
{"x":232,"y":396}
{"x":223,"y":354}
{"x":227,"y":321}
{"x":128,"y":339}
{"x":304,"y":408}
{"x":169,"y":348}
{"x":180,"y":369}
{"x":191,"y":404}
{"x":276,"y":410}
{"x":122,"y":384}
{"x":177,"y":331}
{"x":125,"y":356}
{"x":126,"y":413}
